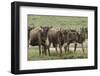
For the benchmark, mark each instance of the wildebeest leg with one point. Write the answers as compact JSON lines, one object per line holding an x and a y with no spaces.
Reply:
{"x":75,"y":47}
{"x":60,"y":47}
{"x":39,"y":50}
{"x":49,"y":48}
{"x":39,"y":43}
{"x":45,"y":49}
{"x":56,"y":48}
{"x":82,"y":47}
{"x":65,"y":47}
{"x":68,"y":46}
{"x":42,"y":49}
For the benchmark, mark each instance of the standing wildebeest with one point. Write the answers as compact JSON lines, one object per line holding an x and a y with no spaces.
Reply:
{"x":72,"y":36}
{"x":38,"y":37}
{"x":55,"y":36}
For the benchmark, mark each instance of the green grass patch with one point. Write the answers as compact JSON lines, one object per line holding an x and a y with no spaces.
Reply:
{"x":57,"y":21}
{"x":33,"y":54}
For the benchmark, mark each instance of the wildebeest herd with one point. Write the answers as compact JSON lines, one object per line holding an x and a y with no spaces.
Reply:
{"x":44,"y":36}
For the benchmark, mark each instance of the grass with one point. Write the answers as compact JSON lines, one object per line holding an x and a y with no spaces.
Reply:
{"x":66,"y":22}
{"x":33,"y":54}
{"x":57,"y":21}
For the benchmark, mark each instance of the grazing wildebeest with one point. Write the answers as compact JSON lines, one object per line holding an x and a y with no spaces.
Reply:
{"x":55,"y":36}
{"x":38,"y":37}
{"x":72,"y":36}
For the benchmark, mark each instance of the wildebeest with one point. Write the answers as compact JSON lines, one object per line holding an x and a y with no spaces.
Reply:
{"x":55,"y":36}
{"x":29,"y":29}
{"x":73,"y":36}
{"x":86,"y":31}
{"x":38,"y":37}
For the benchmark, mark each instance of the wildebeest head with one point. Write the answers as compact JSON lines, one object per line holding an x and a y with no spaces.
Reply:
{"x":44,"y":32}
{"x":65,"y":32}
{"x":83,"y":33}
{"x":30,"y":28}
{"x":61,"y":36}
{"x":72,"y":36}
